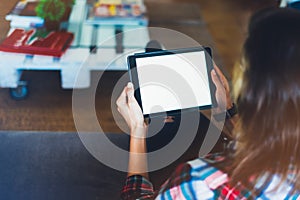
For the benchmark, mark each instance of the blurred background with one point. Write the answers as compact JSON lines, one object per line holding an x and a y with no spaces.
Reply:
{"x":220,"y":24}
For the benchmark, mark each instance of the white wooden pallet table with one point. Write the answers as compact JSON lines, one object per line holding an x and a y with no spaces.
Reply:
{"x":95,"y":47}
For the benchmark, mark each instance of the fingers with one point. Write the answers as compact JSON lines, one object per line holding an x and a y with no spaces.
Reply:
{"x":130,"y":92}
{"x":217,"y":69}
{"x":122,"y":98}
{"x":216,"y":79}
{"x":222,"y":85}
{"x":129,"y":108}
{"x":126,"y":97}
{"x":221,"y":76}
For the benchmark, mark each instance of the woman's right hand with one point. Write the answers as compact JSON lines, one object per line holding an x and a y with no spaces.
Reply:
{"x":222,"y":89}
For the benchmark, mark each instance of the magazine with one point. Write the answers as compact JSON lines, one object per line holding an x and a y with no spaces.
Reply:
{"x":117,"y":8}
{"x":23,"y":13}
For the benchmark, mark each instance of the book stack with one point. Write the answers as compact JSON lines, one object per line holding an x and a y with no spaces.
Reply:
{"x":23,"y":15}
{"x":118,"y":8}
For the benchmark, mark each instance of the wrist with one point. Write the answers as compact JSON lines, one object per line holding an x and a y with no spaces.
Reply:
{"x":231,"y":111}
{"x":229,"y":104}
{"x":138,"y":132}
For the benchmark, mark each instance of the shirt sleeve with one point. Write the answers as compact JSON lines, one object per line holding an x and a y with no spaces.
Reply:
{"x":137,"y":187}
{"x":184,"y":183}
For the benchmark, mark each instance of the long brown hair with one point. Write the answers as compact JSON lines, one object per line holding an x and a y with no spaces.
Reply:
{"x":268,"y":135}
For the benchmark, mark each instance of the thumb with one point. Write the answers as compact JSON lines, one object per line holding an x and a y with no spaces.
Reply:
{"x":130,"y":92}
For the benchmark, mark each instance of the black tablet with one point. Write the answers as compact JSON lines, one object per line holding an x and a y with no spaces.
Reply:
{"x":172,"y":81}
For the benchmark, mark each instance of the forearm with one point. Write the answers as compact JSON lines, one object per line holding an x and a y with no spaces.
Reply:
{"x":138,"y":164}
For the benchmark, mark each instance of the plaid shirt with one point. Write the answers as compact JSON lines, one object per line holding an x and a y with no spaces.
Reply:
{"x":197,"y":179}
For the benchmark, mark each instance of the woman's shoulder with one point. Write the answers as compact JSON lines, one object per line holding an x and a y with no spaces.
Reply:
{"x":207,"y":171}
{"x":193,"y":179}
{"x":203,"y":177}
{"x":209,"y":160}
{"x":204,"y":169}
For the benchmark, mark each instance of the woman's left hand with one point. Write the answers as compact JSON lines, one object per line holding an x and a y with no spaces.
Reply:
{"x":132,"y":113}
{"x":129,"y":108}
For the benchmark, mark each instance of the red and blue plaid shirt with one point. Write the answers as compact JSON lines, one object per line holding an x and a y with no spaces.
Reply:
{"x":198,"y":179}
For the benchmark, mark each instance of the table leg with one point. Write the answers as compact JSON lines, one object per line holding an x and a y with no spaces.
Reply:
{"x":93,"y":46}
{"x":119,"y":39}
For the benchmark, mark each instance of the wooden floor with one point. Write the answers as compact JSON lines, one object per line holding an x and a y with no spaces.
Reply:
{"x":226,"y":21}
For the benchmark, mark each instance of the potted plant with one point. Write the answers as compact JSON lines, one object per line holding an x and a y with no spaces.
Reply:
{"x":54,"y":12}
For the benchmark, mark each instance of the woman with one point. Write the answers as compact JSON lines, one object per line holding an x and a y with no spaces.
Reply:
{"x":265,"y":163}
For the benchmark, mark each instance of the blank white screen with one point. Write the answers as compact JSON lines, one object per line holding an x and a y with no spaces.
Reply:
{"x":172,"y":82}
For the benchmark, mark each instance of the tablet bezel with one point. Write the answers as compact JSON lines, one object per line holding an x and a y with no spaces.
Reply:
{"x":132,"y":69}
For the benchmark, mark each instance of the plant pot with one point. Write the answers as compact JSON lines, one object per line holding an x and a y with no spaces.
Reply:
{"x":56,"y":25}
{"x":66,"y":15}
{"x":52,"y":25}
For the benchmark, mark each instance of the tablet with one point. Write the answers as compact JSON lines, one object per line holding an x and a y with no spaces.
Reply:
{"x":167,"y":82}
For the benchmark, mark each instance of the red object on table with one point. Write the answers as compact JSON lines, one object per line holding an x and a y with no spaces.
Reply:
{"x":54,"y":44}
